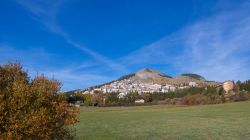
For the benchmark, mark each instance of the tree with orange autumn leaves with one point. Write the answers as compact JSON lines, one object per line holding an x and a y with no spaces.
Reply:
{"x":32,"y":109}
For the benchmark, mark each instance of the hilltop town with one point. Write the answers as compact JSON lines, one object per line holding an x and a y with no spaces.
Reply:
{"x":148,"y":81}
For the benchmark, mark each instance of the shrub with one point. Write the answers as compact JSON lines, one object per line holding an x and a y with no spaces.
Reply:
{"x":195,"y":99}
{"x":242,"y":96}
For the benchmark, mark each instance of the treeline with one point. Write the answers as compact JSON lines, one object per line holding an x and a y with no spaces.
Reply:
{"x":243,"y":86}
{"x":187,"y":96}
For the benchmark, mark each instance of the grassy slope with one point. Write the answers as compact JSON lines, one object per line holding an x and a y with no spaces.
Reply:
{"x":223,"y":121}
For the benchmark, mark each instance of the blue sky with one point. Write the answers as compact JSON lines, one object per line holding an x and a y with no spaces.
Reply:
{"x":88,"y":42}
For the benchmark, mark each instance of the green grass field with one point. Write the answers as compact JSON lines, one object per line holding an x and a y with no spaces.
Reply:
{"x":229,"y":121}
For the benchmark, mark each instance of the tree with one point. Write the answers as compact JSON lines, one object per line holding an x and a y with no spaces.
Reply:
{"x":96,"y":99}
{"x":87,"y":100}
{"x":246,"y":86}
{"x":112,"y":97}
{"x":210,"y":90}
{"x":132,"y":96}
{"x":147,"y":97}
{"x":32,"y":109}
{"x":93,"y":99}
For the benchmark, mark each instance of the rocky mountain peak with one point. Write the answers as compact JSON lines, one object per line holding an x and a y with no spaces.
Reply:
{"x":149,"y":73}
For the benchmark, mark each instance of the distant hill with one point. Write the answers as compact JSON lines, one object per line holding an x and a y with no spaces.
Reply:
{"x":72,"y":91}
{"x":195,"y":76}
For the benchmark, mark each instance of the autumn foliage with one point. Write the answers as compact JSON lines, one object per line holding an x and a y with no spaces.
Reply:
{"x":32,"y":109}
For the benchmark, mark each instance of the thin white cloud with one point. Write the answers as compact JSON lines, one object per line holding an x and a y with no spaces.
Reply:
{"x":35,"y":60}
{"x":73,"y":80}
{"x":45,"y":12}
{"x":217,"y":47}
{"x":32,"y":55}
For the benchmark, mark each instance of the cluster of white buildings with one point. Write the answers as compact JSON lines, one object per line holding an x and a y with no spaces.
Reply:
{"x":126,"y":86}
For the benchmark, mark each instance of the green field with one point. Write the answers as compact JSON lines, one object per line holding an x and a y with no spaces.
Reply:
{"x":205,"y":122}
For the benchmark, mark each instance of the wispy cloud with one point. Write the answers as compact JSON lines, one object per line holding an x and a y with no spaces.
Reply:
{"x":45,"y":12}
{"x":9,"y":53}
{"x":217,"y":47}
{"x":76,"y":75}
{"x":35,"y":62}
{"x":73,"y":79}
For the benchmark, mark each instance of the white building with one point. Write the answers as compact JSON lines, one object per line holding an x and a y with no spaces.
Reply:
{"x":192,"y":84}
{"x":139,"y":101}
{"x":121,"y":95}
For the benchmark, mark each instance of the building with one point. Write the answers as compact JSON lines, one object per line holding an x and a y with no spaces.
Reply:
{"x":139,"y":101}
{"x":192,"y":84}
{"x":228,"y":85}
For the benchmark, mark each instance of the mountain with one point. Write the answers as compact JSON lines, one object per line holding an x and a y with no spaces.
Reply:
{"x":149,"y":80}
{"x":148,"y":75}
{"x":145,"y":75}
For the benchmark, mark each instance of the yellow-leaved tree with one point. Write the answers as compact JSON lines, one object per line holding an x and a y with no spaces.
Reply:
{"x":32,"y":109}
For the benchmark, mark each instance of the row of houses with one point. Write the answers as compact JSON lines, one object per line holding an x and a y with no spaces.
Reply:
{"x":126,"y":86}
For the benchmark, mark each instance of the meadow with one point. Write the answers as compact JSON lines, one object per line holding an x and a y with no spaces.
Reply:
{"x":228,"y":121}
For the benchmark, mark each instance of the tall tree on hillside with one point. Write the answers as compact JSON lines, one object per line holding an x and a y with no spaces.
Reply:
{"x":32,"y":109}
